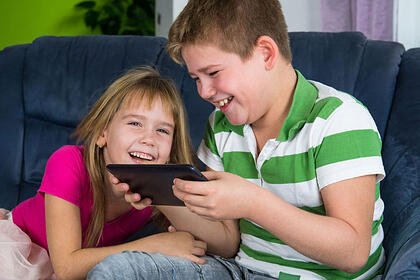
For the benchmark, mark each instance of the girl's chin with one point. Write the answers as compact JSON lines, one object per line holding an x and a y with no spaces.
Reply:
{"x":142,"y":161}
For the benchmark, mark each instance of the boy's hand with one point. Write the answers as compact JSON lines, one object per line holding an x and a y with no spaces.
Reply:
{"x":224,"y":197}
{"x":133,"y":198}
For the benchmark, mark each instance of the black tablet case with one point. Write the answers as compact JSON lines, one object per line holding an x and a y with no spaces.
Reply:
{"x":155,"y":180}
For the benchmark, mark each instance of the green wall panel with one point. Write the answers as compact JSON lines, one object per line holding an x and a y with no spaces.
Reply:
{"x":21,"y":21}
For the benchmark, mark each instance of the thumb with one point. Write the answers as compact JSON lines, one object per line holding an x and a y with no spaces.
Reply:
{"x":211,"y":175}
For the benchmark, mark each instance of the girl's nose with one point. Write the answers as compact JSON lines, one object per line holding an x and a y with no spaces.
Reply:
{"x":147,"y":138}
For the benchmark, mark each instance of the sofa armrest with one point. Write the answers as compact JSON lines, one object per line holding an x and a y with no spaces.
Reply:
{"x":403,"y":251}
{"x":401,"y":188}
{"x":407,"y":265}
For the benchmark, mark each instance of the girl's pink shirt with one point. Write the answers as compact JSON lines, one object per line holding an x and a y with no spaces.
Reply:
{"x":66,"y":177}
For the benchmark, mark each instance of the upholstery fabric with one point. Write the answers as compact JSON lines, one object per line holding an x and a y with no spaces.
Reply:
{"x":401,"y":189}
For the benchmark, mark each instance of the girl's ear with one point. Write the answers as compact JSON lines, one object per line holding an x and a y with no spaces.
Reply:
{"x":269,"y":50}
{"x":101,"y":141}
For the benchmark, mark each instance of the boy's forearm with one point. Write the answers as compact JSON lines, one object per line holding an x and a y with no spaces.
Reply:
{"x":222,"y":237}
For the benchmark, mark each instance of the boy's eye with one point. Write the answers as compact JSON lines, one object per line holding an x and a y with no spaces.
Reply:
{"x":211,"y":74}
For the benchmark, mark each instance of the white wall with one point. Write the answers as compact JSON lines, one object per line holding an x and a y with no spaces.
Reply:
{"x":166,"y":12}
{"x":407,"y":23}
{"x":304,"y":15}
{"x":163,"y":17}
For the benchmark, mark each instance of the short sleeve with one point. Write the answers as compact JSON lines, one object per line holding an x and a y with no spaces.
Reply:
{"x":207,"y":151}
{"x":350,"y":146}
{"x":65,"y":175}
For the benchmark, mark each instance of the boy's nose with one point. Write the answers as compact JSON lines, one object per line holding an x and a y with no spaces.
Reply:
{"x":206,"y":91}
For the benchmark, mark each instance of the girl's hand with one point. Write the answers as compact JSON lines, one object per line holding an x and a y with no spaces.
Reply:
{"x":225,"y":196}
{"x":133,"y":198}
{"x":178,"y":244}
{"x":171,"y":229}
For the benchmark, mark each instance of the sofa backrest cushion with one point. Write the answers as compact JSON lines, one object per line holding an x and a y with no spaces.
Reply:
{"x":367,"y":69}
{"x":11,"y":124}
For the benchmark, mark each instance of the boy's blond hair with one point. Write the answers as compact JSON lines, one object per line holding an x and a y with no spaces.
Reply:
{"x":232,"y":25}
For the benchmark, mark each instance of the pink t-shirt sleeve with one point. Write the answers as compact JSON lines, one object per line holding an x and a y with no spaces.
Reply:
{"x":65,"y":175}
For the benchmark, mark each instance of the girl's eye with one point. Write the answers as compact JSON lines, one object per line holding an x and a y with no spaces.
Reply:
{"x":134,"y":123}
{"x":164,"y":131}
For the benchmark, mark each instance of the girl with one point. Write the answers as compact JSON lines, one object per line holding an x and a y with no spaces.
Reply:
{"x":78,"y":215}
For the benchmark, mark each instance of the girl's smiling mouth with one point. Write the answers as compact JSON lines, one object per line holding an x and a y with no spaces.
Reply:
{"x":142,"y":156}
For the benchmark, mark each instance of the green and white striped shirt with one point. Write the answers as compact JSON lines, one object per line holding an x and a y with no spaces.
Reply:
{"x":328,"y":136}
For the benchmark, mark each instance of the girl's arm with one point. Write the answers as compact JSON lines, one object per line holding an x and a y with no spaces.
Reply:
{"x":71,"y":261}
{"x":222,"y":237}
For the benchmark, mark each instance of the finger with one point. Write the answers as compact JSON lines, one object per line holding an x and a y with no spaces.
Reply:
{"x":196,"y":259}
{"x":141,"y":204}
{"x":198,"y":252}
{"x":192,"y":187}
{"x":146,"y":202}
{"x":192,"y":199}
{"x":171,"y":229}
{"x":200,"y":244}
{"x":121,"y":187}
{"x":132,"y":197}
{"x":211,"y":175}
{"x":113,"y":179}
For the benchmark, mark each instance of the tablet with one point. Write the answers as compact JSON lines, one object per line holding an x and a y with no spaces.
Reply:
{"x":155,"y":180}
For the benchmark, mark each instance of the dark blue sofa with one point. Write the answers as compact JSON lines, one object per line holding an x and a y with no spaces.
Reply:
{"x":47,"y":86}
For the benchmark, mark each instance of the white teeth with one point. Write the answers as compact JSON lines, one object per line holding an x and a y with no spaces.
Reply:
{"x":141,"y":155}
{"x":225,"y":101}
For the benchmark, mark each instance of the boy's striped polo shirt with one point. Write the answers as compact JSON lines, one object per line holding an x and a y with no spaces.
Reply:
{"x":328,"y":136}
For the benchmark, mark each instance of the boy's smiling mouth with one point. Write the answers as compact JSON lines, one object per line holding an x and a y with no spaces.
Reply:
{"x":224,"y":102}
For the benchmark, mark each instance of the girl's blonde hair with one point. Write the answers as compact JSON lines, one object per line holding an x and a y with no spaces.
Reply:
{"x":141,"y":85}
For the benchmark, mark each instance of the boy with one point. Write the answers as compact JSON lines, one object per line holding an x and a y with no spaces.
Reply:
{"x":298,"y":162}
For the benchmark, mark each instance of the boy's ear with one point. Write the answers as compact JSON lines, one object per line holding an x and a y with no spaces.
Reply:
{"x":269,"y":50}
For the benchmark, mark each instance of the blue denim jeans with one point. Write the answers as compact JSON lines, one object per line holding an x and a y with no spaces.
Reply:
{"x":139,"y":265}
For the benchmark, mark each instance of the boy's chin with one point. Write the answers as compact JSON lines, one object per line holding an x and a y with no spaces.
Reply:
{"x":236,"y":121}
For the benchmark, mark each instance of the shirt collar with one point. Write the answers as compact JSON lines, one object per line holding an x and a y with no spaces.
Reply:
{"x":304,"y":98}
